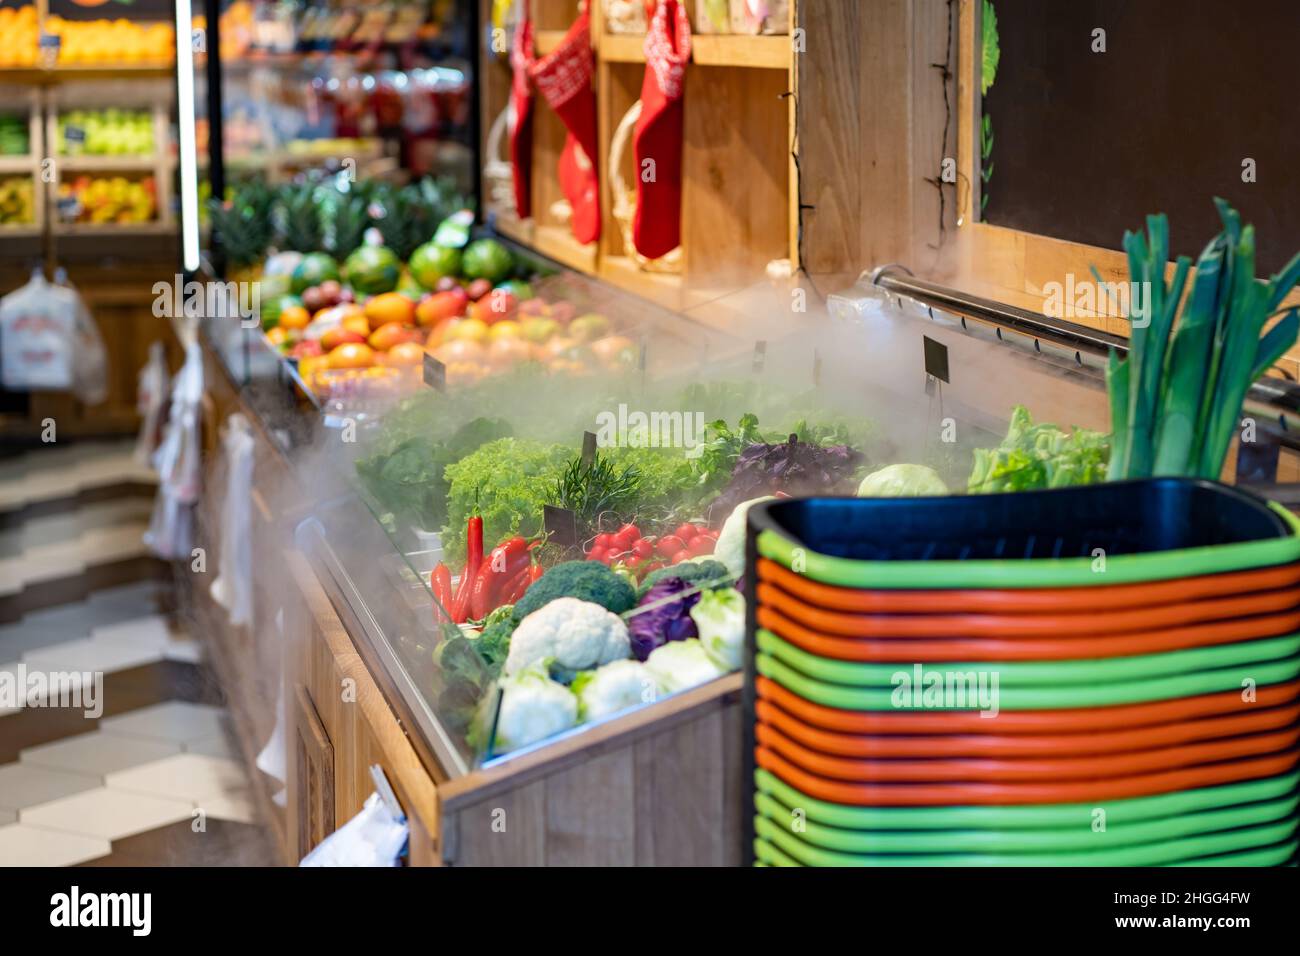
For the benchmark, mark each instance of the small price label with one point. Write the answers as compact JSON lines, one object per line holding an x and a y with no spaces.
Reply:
{"x":588,"y":448}
{"x":817,"y":368}
{"x":936,"y":359}
{"x":760,"y":355}
{"x":561,"y":525}
{"x":435,"y":373}
{"x":49,"y":41}
{"x":74,"y":135}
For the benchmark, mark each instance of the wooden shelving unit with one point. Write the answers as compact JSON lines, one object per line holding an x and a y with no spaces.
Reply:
{"x":19,"y":100}
{"x":137,"y":93}
{"x":740,"y":183}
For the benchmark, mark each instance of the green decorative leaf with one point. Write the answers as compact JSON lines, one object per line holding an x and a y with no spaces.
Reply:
{"x":992,"y":53}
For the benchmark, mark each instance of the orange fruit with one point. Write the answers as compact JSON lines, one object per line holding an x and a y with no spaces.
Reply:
{"x":352,"y":355}
{"x":405,"y":353}
{"x":390,"y":307}
{"x":340,"y":336}
{"x":390,"y":334}
{"x":356,"y":322}
{"x":294,"y":317}
{"x":277,"y":335}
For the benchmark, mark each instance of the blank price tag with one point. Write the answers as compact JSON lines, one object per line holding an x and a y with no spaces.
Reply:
{"x":435,"y":373}
{"x":561,"y":525}
{"x":936,"y":359}
{"x":588,"y":448}
{"x":760,"y":355}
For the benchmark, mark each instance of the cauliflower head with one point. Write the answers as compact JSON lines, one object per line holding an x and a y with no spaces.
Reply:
{"x":533,"y":707}
{"x":572,"y":635}
{"x":613,"y":687}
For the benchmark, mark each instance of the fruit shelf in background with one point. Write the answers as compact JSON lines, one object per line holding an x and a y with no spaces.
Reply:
{"x":22,"y":206}
{"x":122,"y":132}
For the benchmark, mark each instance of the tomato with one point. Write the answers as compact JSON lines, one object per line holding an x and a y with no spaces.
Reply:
{"x":701,"y":545}
{"x":680,"y":556}
{"x":643,"y":548}
{"x":670,"y":545}
{"x":686,"y":531}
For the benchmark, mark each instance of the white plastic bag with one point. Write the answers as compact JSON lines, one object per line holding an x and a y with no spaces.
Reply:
{"x":37,"y":337}
{"x":178,"y":465}
{"x":150,"y":401}
{"x":233,"y":588}
{"x":374,"y":837}
{"x":89,"y":357}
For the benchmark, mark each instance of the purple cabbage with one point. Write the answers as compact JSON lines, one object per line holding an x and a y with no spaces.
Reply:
{"x":670,"y":621}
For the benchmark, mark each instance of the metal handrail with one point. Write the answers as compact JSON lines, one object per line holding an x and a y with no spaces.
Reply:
{"x":1277,"y":394}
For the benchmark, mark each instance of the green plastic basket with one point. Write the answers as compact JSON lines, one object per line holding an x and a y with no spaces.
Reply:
{"x":1052,"y":816}
{"x":1038,"y":698}
{"x":1040,"y":674}
{"x":1163,"y":853}
{"x":1013,"y":526}
{"x":1081,"y":838}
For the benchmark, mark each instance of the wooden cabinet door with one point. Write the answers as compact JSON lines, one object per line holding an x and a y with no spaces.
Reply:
{"x":314,"y":770}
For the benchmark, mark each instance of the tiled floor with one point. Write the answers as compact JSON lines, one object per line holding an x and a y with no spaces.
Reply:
{"x":155,"y":780}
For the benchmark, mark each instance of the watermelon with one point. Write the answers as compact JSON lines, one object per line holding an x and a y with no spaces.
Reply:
{"x":371,"y":270}
{"x":282,"y":264}
{"x":430,"y":262}
{"x":487,"y":259}
{"x":520,"y":289}
{"x":315,"y":268}
{"x":273,"y":306}
{"x":272,"y":286}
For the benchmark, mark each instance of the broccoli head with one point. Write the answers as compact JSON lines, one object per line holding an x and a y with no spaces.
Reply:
{"x":584,"y":580}
{"x":703,"y":572}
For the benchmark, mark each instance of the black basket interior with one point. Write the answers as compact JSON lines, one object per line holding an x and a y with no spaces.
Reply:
{"x":1130,"y":517}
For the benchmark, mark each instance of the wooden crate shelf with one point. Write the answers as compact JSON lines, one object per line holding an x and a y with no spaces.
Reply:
{"x":740,"y":186}
{"x":707,"y":49}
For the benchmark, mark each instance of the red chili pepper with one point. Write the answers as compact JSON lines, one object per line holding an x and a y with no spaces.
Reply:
{"x":474,"y":542}
{"x":473,"y":563}
{"x":440,"y":582}
{"x":535,"y":572}
{"x":495,"y":571}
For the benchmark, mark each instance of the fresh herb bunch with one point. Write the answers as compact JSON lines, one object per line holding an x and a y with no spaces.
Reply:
{"x":507,"y":482}
{"x":1175,"y":399}
{"x":722,"y":448}
{"x":1039,"y":456}
{"x":597,"y":488}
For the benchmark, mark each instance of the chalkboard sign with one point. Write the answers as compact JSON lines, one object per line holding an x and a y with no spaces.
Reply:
{"x":1102,"y":111}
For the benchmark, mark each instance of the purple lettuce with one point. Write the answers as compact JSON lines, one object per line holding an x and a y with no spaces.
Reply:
{"x":670,"y":620}
{"x":791,"y":467}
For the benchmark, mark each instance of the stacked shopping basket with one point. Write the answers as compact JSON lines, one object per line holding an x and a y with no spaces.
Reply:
{"x":1106,"y":676}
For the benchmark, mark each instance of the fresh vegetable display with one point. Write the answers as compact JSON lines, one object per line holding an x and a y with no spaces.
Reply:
{"x":1039,"y":456}
{"x":1176,"y":397}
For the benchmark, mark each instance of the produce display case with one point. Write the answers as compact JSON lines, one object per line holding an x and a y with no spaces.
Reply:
{"x":860,"y":376}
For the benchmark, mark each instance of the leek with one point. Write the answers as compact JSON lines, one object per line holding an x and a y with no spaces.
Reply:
{"x":1176,"y":398}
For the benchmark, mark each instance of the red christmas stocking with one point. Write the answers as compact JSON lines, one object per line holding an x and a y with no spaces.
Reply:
{"x":563,"y":77}
{"x":656,"y":227}
{"x":521,"y":134}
